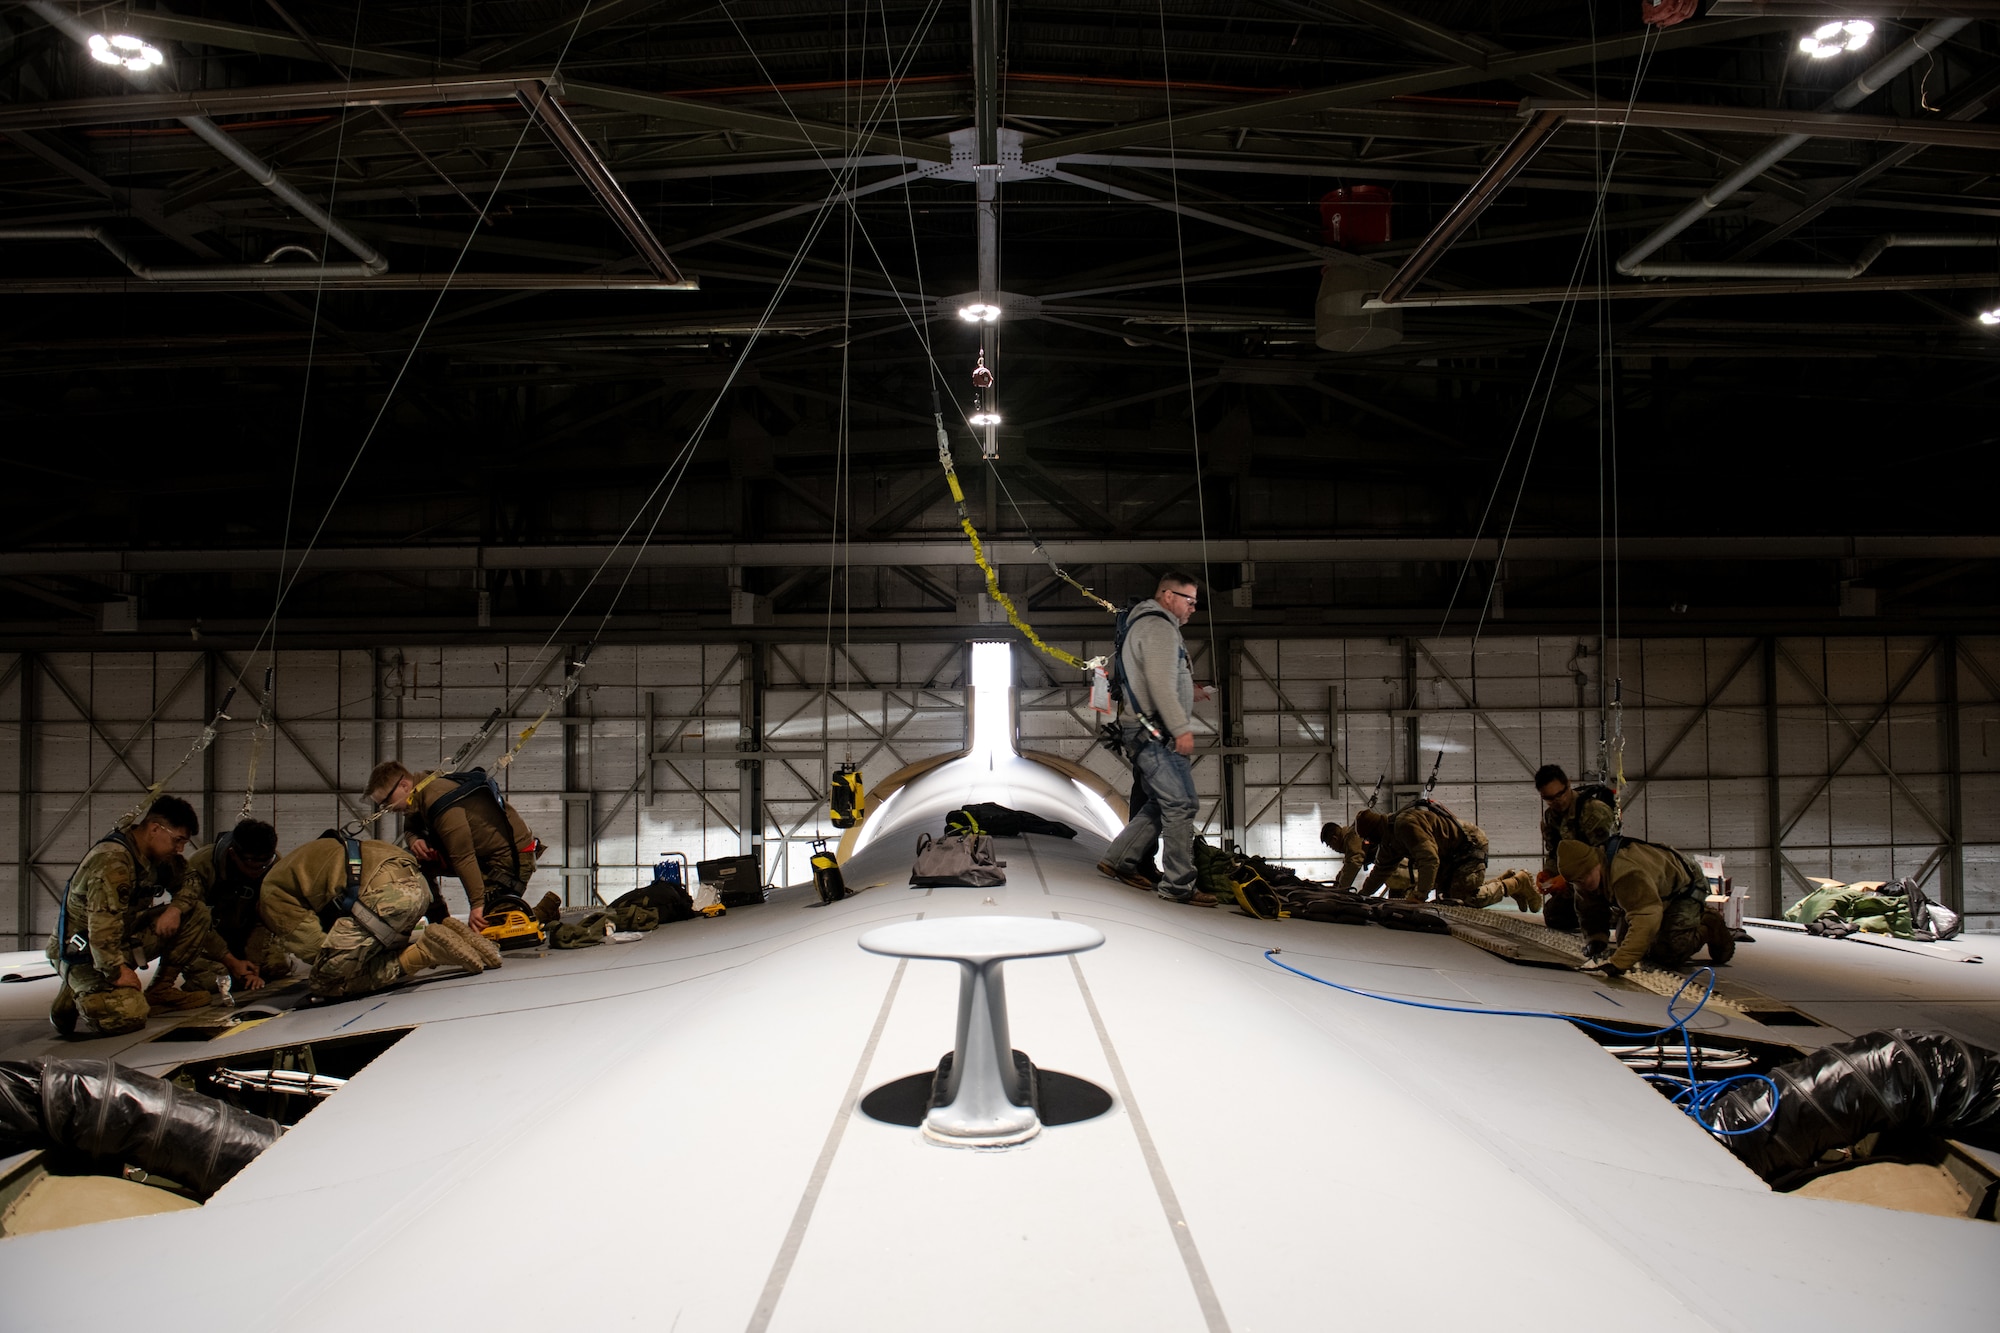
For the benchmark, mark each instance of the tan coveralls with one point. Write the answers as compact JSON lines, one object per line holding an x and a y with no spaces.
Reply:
{"x":473,"y":847}
{"x":1663,"y":901}
{"x":347,"y":959}
{"x":1438,"y":848}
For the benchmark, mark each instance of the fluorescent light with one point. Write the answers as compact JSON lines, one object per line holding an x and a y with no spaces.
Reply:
{"x":1990,"y":316}
{"x":1832,"y":39}
{"x":983,"y":418}
{"x":129,"y":52}
{"x":979,"y":312}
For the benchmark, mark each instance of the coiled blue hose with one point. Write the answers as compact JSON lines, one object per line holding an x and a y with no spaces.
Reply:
{"x":1699,"y":1096}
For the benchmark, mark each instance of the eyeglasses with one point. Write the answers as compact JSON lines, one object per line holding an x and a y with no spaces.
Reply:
{"x":1557,"y":797}
{"x":1189,"y":598}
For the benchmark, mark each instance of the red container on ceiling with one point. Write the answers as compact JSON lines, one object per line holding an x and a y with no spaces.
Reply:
{"x":1355,"y":215}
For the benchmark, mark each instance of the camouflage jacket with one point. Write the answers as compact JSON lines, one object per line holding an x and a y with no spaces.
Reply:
{"x":1428,"y":839}
{"x":1644,"y":877}
{"x":1591,"y":818}
{"x":112,"y":886}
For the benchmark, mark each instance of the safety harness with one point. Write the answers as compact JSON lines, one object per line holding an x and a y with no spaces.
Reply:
{"x":74,"y":949}
{"x":479,"y":791}
{"x":1121,"y":682}
{"x":349,"y":904}
{"x":1697,"y":877}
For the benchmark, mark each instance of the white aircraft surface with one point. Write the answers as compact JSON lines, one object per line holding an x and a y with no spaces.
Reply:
{"x":667,"y":1135}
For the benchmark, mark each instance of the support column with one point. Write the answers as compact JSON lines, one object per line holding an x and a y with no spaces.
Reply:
{"x":750,"y":741}
{"x":1774,"y":817}
{"x":1953,"y":895}
{"x":1235,"y":800}
{"x":24,"y":823}
{"x":210,"y":677}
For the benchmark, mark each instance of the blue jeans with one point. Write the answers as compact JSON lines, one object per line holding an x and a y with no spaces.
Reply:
{"x":1167,"y":817}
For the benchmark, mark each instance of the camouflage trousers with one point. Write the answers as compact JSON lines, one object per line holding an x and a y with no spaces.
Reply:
{"x":114,"y":1009}
{"x":1681,"y":932}
{"x":1513,"y":884}
{"x":261,"y":948}
{"x":352,"y":961}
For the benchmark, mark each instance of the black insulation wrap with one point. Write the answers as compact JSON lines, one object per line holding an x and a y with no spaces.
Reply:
{"x":1898,"y":1081}
{"x":95,"y":1108}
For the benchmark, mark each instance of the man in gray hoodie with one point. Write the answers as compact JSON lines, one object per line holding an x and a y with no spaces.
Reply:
{"x":1157,"y":732}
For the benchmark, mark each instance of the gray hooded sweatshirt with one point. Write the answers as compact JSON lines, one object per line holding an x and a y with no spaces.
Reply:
{"x":1157,"y":670}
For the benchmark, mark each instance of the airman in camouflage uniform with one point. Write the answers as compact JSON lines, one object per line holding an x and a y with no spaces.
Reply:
{"x":110,"y":927}
{"x":228,"y":873}
{"x":368,"y":947}
{"x":1587,"y":814}
{"x":1443,"y":853}
{"x":1662,"y":895}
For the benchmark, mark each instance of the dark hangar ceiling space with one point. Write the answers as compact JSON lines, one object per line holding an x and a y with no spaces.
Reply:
{"x":569,"y":240}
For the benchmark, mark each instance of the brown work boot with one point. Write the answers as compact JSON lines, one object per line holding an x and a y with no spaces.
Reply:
{"x":1720,"y":939}
{"x":1199,"y":898}
{"x":488,"y":951}
{"x":1131,"y":877}
{"x":165,"y":995}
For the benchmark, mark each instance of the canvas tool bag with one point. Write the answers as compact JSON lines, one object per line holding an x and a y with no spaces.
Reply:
{"x":956,"y":860}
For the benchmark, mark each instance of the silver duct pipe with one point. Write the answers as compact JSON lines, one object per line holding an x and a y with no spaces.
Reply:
{"x":267,"y":176}
{"x":182,"y":273}
{"x":372,"y":262}
{"x":1831,"y":272}
{"x":1933,"y":35}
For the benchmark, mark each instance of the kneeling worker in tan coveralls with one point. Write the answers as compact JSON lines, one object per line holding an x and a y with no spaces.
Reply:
{"x":350,"y":905}
{"x":1662,"y":895}
{"x":1443,"y":854}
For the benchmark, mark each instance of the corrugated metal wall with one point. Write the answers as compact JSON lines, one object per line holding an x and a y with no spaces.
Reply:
{"x":1866,"y":731}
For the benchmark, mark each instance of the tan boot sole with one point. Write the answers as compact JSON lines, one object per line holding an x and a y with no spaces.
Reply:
{"x":447,"y":948}
{"x":488,"y":951}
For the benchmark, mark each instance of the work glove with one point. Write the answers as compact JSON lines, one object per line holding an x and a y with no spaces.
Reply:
{"x":1603,"y":966}
{"x":1594,"y":949}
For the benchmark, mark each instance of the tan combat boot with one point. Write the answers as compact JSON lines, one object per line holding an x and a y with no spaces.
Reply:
{"x":440,"y":948}
{"x":165,"y":995}
{"x":1521,"y":888}
{"x":488,"y":951}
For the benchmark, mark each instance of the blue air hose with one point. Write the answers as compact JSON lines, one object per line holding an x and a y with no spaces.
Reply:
{"x":1698,"y":1096}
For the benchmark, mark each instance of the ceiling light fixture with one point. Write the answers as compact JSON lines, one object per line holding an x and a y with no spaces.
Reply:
{"x":983,"y":418}
{"x":979,"y":312}
{"x":135,"y":55}
{"x":1833,"y":39}
{"x":1990,"y":317}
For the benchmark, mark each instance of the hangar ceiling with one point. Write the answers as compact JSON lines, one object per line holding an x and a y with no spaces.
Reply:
{"x":686,"y":268}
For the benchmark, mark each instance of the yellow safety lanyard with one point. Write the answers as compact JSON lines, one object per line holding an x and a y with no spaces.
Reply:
{"x":993,"y":579}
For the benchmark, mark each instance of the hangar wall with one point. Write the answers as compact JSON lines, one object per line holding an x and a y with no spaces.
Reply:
{"x":1885,"y":750}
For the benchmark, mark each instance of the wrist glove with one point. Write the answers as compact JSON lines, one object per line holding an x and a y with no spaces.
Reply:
{"x":1602,"y":965}
{"x":1594,"y":949}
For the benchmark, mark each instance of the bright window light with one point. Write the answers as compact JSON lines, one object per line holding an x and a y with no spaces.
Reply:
{"x":993,"y":698}
{"x":983,"y":418}
{"x":979,"y":312}
{"x":1990,"y":316}
{"x":1832,"y":39}
{"x":129,"y":52}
